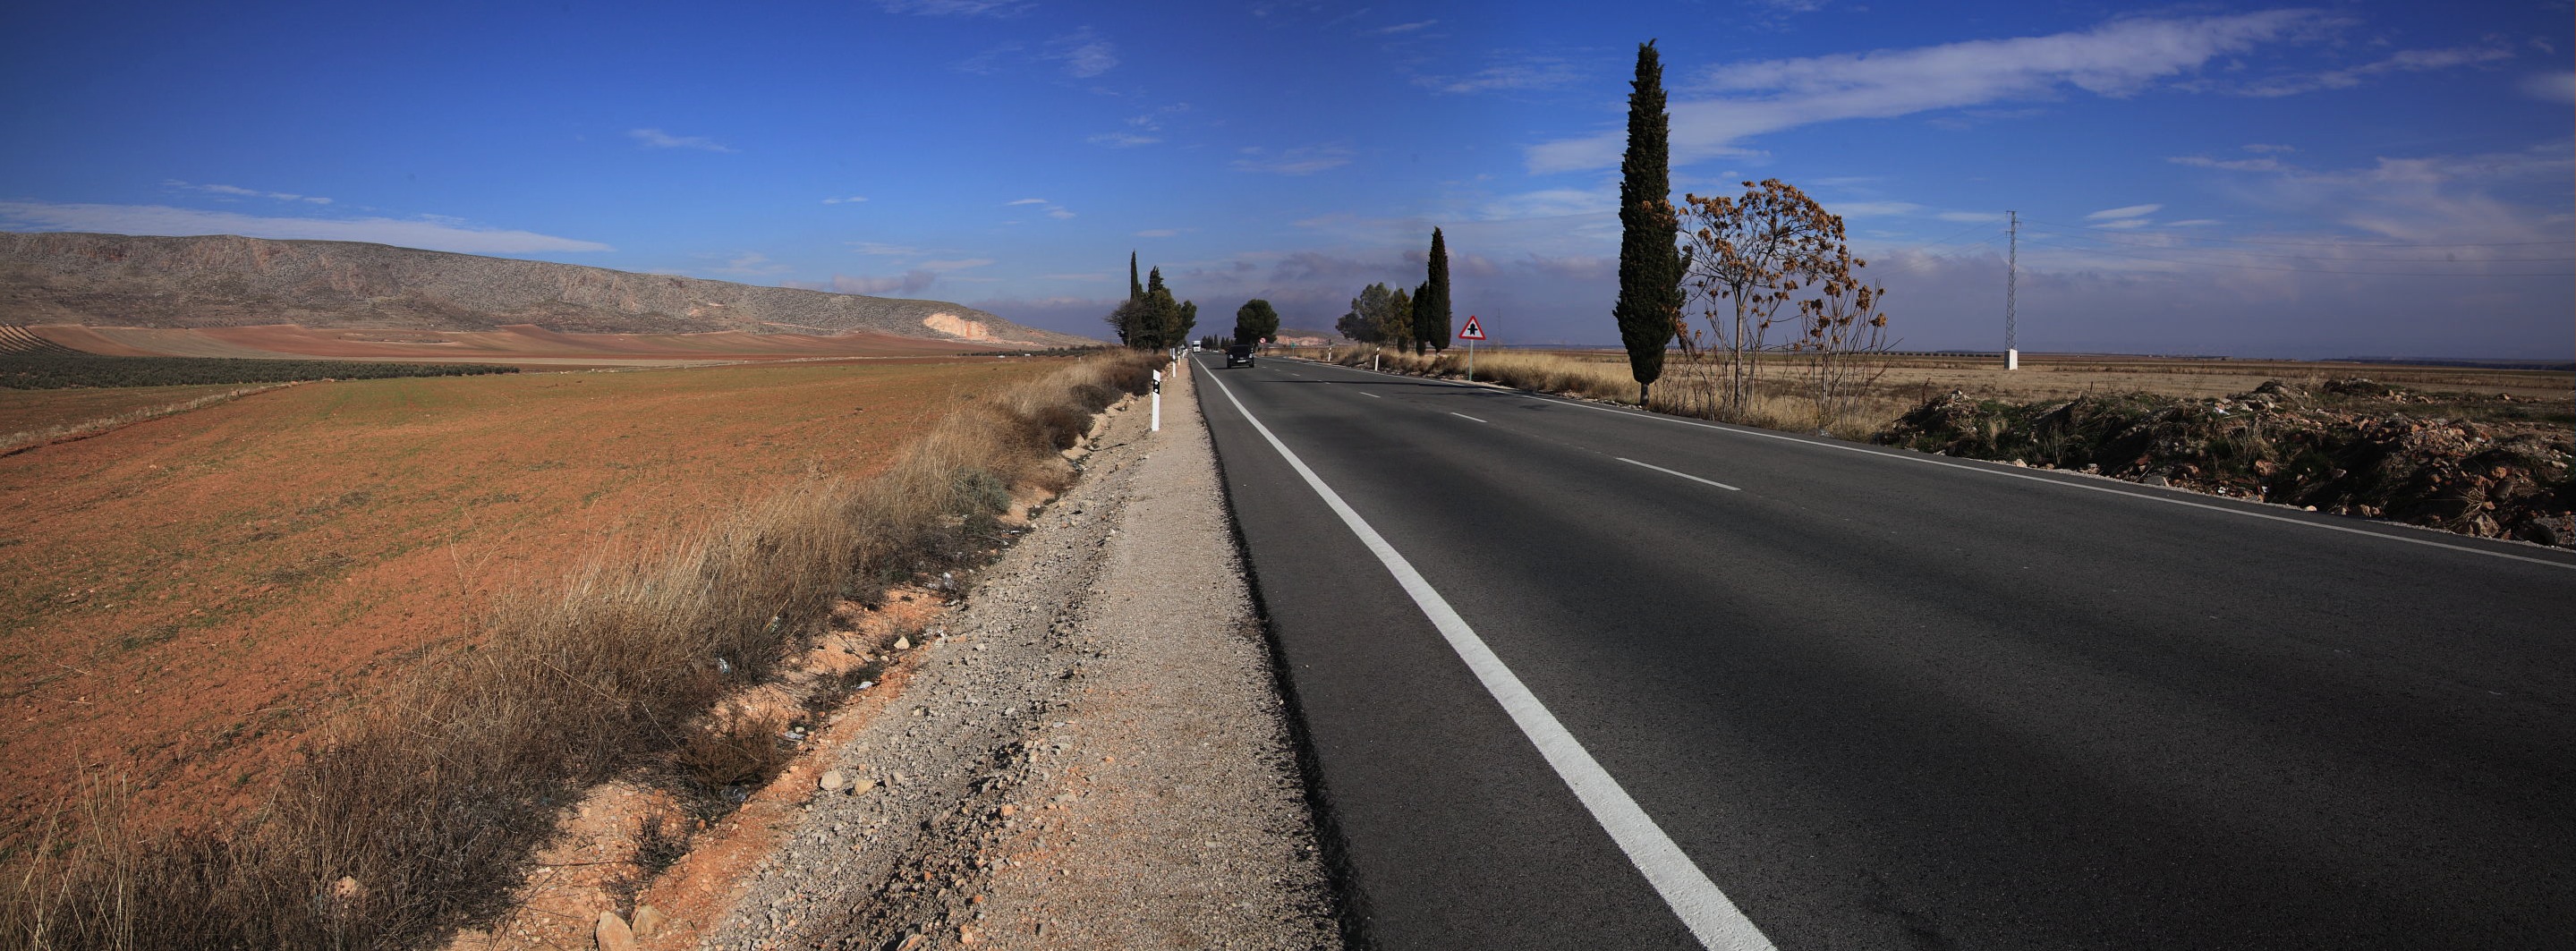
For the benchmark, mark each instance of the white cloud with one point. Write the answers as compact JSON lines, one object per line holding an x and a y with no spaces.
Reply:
{"x":1024,"y":201}
{"x":658,"y":139}
{"x":1398,"y":28}
{"x":1304,"y":160}
{"x":943,"y":267}
{"x":2259,"y":148}
{"x":2553,"y":87}
{"x":854,"y":199}
{"x":2126,"y":211}
{"x":1745,"y":99}
{"x":1970,"y":217}
{"x":247,"y":192}
{"x":1122,"y":140}
{"x":445,"y":234}
{"x":2404,"y":61}
{"x":1058,"y":214}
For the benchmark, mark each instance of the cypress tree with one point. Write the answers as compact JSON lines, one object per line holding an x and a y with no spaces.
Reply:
{"x":1431,"y":304}
{"x":1650,"y":266}
{"x":1135,"y":291}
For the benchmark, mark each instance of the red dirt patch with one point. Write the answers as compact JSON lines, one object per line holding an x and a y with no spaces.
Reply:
{"x":182,"y":598}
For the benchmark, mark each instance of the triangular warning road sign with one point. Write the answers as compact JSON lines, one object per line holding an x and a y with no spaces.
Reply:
{"x":1473,"y":330}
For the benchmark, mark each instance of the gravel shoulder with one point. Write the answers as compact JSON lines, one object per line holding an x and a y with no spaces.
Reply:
{"x":1090,"y":753}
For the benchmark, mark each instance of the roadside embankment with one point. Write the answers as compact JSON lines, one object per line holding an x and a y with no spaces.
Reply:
{"x":1089,"y":754}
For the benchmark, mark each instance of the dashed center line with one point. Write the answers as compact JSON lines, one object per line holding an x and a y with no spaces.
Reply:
{"x":1685,"y":475}
{"x":1467,"y":417}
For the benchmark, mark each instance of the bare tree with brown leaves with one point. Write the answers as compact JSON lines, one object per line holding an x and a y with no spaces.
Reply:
{"x":1844,"y":327}
{"x":1749,"y":255}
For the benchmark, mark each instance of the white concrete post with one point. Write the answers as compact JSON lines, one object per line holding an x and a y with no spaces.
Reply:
{"x":1158,"y":401}
{"x":2012,"y":359}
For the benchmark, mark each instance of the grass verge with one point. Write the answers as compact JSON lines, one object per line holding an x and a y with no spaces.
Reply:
{"x":416,"y":814}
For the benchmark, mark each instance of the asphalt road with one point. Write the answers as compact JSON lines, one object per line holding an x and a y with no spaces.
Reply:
{"x":1885,"y":700}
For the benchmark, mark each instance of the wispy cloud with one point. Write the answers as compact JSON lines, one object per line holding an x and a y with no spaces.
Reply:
{"x":1520,"y":72}
{"x":2126,"y":211}
{"x":1083,"y":53}
{"x":1304,"y":160}
{"x":910,"y":282}
{"x":750,"y":264}
{"x":2264,"y":164}
{"x":1739,"y":100}
{"x":954,"y":8}
{"x":1970,"y":217}
{"x":1873,"y":209}
{"x":2404,"y":61}
{"x":1398,"y":28}
{"x":882,"y":249}
{"x":2552,"y":87}
{"x":445,"y":234}
{"x":1024,"y":201}
{"x":1058,"y":213}
{"x":239,"y":191}
{"x":658,"y":139}
{"x":1122,"y":140}
{"x":851,"y":200}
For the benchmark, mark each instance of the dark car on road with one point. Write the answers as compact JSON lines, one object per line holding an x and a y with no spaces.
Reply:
{"x":1238,"y":355}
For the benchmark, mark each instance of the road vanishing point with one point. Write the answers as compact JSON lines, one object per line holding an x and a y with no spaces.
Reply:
{"x":1570,"y":675}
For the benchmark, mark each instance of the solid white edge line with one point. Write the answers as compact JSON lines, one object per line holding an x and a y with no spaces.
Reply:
{"x":1685,"y":475}
{"x":1710,"y":915}
{"x":1467,"y":417}
{"x":1928,"y":460}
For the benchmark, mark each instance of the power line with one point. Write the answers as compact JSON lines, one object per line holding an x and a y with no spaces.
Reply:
{"x":2305,"y":257}
{"x":2338,"y":244}
{"x":2308,"y":270}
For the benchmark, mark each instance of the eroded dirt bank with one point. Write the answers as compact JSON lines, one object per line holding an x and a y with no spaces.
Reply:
{"x":1089,"y":754}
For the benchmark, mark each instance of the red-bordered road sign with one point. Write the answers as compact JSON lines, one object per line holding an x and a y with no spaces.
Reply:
{"x":1473,"y":330}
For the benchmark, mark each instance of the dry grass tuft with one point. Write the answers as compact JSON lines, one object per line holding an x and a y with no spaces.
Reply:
{"x":1780,"y":402}
{"x":414,"y":816}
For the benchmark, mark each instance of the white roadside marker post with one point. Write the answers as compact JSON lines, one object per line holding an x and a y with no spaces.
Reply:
{"x":1158,"y":401}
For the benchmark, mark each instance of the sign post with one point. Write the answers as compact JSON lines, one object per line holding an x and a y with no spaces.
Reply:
{"x":1474,"y":331}
{"x":1158,"y":401}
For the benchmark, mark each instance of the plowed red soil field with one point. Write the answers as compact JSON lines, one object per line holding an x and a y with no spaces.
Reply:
{"x":182,"y":598}
{"x":519,"y":345}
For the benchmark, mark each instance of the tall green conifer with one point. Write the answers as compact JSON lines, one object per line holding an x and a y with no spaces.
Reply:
{"x":1650,"y":266}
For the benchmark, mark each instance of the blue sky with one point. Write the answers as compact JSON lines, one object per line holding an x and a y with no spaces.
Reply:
{"x":2247,"y":179}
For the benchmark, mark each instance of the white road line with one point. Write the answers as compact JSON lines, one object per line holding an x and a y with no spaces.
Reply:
{"x":1928,"y":460}
{"x":1371,"y":395}
{"x":1685,"y":475}
{"x":1709,"y":914}
{"x":1467,"y":417}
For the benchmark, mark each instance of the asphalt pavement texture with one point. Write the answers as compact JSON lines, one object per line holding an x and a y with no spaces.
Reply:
{"x":1886,"y":700}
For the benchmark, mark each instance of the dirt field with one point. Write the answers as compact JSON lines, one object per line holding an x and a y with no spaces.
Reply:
{"x":23,"y":411}
{"x":517,"y":345}
{"x":181,"y":597}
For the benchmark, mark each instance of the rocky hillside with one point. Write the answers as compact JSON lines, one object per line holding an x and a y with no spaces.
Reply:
{"x":225,"y":281}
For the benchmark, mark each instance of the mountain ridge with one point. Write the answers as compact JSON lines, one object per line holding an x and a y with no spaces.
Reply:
{"x":233,"y":281}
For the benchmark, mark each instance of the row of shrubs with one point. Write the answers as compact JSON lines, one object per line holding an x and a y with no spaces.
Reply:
{"x":54,"y":370}
{"x":417,"y":814}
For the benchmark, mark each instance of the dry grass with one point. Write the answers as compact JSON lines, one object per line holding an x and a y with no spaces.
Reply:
{"x":413,"y":815}
{"x":1686,"y":389}
{"x":1781,"y":400}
